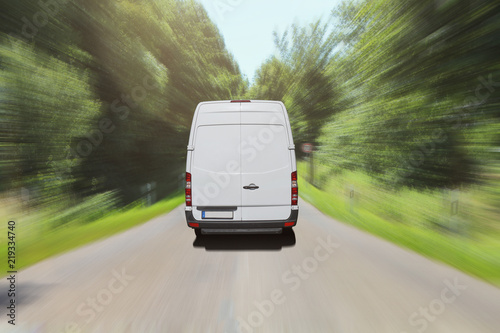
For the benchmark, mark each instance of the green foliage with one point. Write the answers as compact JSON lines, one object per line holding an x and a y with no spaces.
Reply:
{"x":98,"y":96}
{"x":415,"y":96}
{"x":46,"y":103}
{"x":401,"y":90}
{"x":299,"y":76}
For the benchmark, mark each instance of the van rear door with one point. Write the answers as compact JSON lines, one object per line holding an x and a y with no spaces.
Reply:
{"x":265,"y":162}
{"x":216,"y":180}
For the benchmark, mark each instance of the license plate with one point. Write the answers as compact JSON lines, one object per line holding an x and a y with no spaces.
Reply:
{"x":216,"y":215}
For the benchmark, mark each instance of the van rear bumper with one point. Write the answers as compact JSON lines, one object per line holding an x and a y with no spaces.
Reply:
{"x":225,"y":224}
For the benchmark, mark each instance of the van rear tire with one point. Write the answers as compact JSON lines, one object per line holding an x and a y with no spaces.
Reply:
{"x":197,"y":232}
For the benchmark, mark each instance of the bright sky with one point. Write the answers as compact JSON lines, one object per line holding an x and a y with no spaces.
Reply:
{"x":248,"y":25}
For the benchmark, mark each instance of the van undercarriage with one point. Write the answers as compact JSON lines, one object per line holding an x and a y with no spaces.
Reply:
{"x":243,"y":227}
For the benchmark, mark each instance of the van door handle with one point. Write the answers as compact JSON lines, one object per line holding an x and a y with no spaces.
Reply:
{"x":252,"y":186}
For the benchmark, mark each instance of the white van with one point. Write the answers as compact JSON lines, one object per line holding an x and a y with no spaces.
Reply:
{"x":241,"y":174}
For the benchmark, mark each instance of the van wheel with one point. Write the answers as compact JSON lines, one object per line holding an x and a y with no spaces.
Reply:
{"x":287,"y":231}
{"x":197,"y":232}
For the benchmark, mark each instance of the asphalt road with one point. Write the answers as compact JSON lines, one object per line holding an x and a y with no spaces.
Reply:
{"x":328,"y":277}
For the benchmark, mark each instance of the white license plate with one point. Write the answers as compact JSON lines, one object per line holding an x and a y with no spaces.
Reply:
{"x":217,"y":215}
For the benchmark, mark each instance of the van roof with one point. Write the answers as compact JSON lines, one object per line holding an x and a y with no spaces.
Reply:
{"x":240,"y":101}
{"x":241,"y":106}
{"x":253,"y":112}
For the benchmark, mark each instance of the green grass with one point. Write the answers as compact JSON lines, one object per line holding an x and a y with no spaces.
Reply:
{"x":410,"y":219}
{"x":36,"y":245}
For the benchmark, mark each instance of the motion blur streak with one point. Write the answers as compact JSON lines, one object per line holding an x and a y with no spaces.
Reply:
{"x":400,"y":99}
{"x":96,"y":96}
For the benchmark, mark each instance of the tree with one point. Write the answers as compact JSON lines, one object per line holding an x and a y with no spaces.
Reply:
{"x":104,"y":91}
{"x":300,"y":76}
{"x":408,"y":72}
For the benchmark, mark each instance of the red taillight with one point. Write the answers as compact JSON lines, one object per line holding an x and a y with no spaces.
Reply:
{"x":194,"y":225}
{"x":188,"y":189}
{"x":295,"y":189}
{"x":295,"y":196}
{"x":289,"y":224}
{"x":241,"y":101}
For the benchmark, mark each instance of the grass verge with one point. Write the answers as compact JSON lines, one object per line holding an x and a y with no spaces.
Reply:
{"x":44,"y":243}
{"x":478,"y":255}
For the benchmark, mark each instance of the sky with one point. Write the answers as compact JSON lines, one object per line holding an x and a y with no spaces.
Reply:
{"x":247,"y":25}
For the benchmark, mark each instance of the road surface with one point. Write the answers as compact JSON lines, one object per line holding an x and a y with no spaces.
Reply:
{"x":328,"y":277}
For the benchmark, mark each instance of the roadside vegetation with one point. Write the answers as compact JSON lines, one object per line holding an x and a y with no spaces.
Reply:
{"x":41,"y":235}
{"x":458,"y":229}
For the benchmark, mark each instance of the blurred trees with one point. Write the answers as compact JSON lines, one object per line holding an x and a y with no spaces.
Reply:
{"x":98,"y":96}
{"x":406,"y":91}
{"x":417,"y":65}
{"x":299,"y":75}
{"x":45,"y":103}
